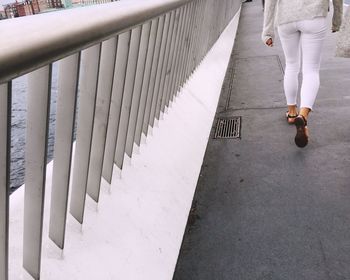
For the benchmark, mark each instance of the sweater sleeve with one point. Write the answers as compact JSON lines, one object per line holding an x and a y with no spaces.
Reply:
{"x":269,"y":20}
{"x":337,"y":14}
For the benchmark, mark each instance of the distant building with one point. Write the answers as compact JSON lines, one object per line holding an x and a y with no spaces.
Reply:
{"x":55,"y":4}
{"x":20,"y":9}
{"x":30,"y":7}
{"x":2,"y":13}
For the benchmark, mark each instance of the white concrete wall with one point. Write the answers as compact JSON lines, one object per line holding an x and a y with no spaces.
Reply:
{"x":136,"y":230}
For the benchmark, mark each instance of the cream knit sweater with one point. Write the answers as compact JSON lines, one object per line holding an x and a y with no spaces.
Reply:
{"x":278,"y":12}
{"x":343,"y":42}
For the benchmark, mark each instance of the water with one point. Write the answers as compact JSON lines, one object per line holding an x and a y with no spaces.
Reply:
{"x":18,"y":119}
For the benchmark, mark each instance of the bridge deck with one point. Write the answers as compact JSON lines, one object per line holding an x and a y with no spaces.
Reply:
{"x":263,"y":208}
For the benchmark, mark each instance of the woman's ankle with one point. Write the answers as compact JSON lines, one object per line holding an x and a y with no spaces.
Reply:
{"x":305,"y":112}
{"x":292,"y":110}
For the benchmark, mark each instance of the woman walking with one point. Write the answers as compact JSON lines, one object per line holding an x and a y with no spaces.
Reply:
{"x":302,"y":28}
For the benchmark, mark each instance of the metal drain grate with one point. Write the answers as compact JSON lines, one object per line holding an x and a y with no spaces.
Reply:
{"x":228,"y":128}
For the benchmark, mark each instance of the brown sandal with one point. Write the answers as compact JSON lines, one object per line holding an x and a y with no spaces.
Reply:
{"x":302,"y":137}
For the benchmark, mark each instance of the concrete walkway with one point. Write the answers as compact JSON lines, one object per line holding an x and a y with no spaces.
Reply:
{"x":263,"y":208}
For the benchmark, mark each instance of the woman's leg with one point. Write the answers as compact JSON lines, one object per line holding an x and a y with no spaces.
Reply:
{"x":313,"y":34}
{"x":290,"y":39}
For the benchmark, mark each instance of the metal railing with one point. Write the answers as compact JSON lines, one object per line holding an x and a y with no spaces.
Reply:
{"x":121,"y":64}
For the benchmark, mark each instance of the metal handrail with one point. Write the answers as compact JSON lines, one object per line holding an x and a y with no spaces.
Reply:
{"x":127,"y":60}
{"x":34,"y":41}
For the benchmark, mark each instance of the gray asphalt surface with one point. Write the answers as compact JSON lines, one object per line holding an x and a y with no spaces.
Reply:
{"x":263,"y":208}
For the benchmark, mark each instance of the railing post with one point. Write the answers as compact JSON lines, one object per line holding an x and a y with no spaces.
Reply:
{"x":135,"y":103}
{"x":180,"y":53}
{"x":39,"y":88}
{"x":65,"y":117}
{"x":5,"y":147}
{"x":104,"y":91}
{"x":127,"y":96}
{"x":86,"y":110}
{"x":204,"y":41}
{"x":192,"y":35}
{"x":198,"y":35}
{"x":173,"y":55}
{"x":156,"y":94}
{"x":186,"y":45}
{"x":146,"y":80}
{"x":213,"y":10}
{"x":116,"y":103}
{"x":162,"y":94}
{"x":150,"y":92}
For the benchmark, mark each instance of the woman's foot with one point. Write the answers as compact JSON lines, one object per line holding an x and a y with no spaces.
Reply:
{"x":291,"y":114}
{"x":290,"y":117}
{"x":302,"y":137}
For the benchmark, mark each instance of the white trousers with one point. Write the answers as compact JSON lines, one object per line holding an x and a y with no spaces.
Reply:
{"x":302,"y":39}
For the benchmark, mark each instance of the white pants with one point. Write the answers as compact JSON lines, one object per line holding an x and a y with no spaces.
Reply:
{"x":304,"y":37}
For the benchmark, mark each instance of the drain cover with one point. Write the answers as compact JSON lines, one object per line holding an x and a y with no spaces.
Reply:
{"x":228,"y":128}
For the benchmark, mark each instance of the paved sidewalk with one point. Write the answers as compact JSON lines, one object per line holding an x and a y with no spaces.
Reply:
{"x":263,"y":208}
